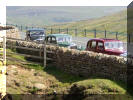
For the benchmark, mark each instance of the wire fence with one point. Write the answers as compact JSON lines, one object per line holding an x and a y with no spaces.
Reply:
{"x":94,"y":33}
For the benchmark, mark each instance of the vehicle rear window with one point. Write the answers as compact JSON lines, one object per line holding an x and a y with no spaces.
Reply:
{"x":114,"y":45}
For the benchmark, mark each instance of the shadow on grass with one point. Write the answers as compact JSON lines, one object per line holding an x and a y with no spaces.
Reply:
{"x":62,"y":76}
{"x":69,"y":78}
{"x":33,"y":66}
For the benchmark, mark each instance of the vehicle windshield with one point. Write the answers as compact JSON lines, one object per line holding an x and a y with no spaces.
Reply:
{"x":63,"y":39}
{"x":114,"y":45}
{"x":37,"y":32}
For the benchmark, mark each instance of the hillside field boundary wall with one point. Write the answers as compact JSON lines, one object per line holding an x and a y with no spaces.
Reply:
{"x":82,"y":63}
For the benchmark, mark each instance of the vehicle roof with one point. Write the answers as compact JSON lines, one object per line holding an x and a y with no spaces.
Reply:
{"x":35,"y":29}
{"x":103,"y":39}
{"x":59,"y":35}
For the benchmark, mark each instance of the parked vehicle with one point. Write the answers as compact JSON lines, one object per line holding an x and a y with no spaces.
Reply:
{"x":63,"y":40}
{"x":35,"y":34}
{"x":106,"y":46}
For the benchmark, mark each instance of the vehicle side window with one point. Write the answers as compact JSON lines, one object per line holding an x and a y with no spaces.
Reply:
{"x":100,"y":46}
{"x":53,"y":40}
{"x":48,"y":39}
{"x":93,"y":44}
{"x":89,"y":44}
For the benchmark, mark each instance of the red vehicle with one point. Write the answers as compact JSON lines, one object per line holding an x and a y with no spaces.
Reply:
{"x":106,"y":46}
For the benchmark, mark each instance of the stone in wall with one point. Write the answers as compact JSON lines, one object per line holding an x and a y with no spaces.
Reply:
{"x":13,"y":33}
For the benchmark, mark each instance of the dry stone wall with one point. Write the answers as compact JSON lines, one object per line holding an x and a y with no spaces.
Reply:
{"x":13,"y":33}
{"x":84,"y":63}
{"x":87,"y":64}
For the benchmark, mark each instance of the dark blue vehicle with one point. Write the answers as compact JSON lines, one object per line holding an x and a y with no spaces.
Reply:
{"x":35,"y":34}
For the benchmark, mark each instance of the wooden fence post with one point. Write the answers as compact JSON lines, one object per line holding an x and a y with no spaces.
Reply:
{"x":105,"y":34}
{"x":21,"y":27}
{"x":95,"y":32}
{"x":75,"y":32}
{"x":117,"y":35}
{"x":67,"y":30}
{"x":45,"y":59}
{"x":128,"y":35}
{"x":40,"y":52}
{"x":51,"y":30}
{"x":59,"y":30}
{"x":85,"y":32}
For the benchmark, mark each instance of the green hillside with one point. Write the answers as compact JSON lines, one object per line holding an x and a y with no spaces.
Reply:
{"x":49,"y":15}
{"x":116,"y":22}
{"x":113,"y":23}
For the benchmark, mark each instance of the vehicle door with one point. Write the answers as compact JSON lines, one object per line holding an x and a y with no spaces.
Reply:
{"x":100,"y":47}
{"x":91,"y":46}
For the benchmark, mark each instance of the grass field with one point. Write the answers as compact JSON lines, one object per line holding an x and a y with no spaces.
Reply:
{"x":112,"y":24}
{"x":55,"y":79}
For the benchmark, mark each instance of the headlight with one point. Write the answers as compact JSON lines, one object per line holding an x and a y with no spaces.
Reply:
{"x":34,"y":40}
{"x":124,"y":54}
{"x":73,"y":44}
{"x":79,"y":46}
{"x":69,"y":47}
